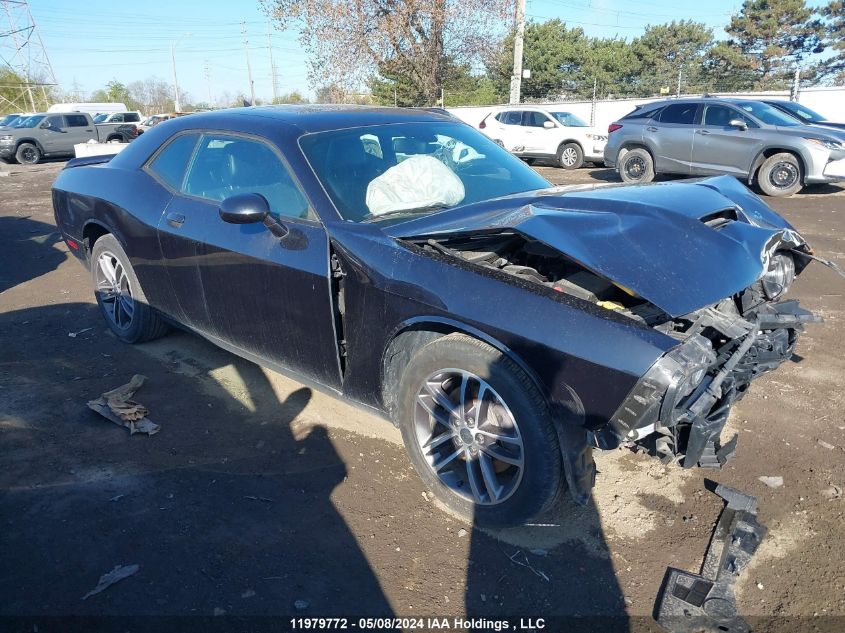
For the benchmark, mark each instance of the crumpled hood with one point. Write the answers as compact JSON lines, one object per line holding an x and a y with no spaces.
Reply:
{"x":649,"y":238}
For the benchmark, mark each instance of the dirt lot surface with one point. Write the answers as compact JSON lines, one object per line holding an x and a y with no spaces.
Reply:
{"x":260,"y":497}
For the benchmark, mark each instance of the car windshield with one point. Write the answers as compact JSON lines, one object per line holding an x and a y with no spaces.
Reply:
{"x":766,"y":113}
{"x":409,"y":169}
{"x":803,"y":113}
{"x":8,"y":119}
{"x":31,"y":121}
{"x":100,"y":118}
{"x":568,"y":119}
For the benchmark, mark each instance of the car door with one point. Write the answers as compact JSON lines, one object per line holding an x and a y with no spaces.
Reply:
{"x":722,"y":148}
{"x":265,"y":295}
{"x":538,"y":139}
{"x":79,"y":129}
{"x":52,"y":133}
{"x":670,"y":136}
{"x":511,"y":132}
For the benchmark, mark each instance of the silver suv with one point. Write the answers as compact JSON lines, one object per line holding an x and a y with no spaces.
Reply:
{"x":743,"y":138}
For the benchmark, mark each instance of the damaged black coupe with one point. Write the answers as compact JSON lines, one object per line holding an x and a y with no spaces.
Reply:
{"x":404,"y":261}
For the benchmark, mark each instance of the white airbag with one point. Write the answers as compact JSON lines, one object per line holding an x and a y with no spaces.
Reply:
{"x":418,"y":181}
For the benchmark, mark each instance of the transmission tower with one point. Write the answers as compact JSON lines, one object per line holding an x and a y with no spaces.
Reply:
{"x":22,"y":52}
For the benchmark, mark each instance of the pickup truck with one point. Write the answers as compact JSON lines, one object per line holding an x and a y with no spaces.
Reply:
{"x":55,"y":134}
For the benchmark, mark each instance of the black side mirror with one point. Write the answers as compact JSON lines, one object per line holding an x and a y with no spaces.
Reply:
{"x":739,"y":124}
{"x":244,"y":208}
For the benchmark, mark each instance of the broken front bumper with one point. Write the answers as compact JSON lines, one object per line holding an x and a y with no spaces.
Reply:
{"x":683,"y":401}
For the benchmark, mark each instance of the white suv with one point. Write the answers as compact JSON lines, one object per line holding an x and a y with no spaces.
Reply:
{"x":550,"y":134}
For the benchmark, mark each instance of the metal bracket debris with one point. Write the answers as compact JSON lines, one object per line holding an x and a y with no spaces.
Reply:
{"x":116,"y":405}
{"x":706,"y":602}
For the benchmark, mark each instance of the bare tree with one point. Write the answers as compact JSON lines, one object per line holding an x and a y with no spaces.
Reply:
{"x":153,"y":94}
{"x":349,"y":41}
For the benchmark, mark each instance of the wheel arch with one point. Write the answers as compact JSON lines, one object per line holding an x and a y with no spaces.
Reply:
{"x":34,"y":141}
{"x":567,"y":142}
{"x":93,"y":230}
{"x":567,"y":411}
{"x":768,"y":152}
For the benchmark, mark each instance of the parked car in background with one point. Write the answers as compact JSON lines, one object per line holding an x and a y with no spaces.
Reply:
{"x":705,"y":136}
{"x":119,"y":117}
{"x":545,"y":133}
{"x":54,"y":134}
{"x":153,"y":120}
{"x":802,"y":113}
{"x":9,"y":120}
{"x":401,"y":259}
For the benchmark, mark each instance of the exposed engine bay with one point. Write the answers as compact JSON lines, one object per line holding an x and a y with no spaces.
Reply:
{"x":678,"y":409}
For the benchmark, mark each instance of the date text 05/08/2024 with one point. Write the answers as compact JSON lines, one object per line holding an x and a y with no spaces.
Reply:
{"x":418,"y":624}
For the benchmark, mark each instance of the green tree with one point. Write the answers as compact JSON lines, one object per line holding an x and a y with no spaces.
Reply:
{"x":767,"y":38}
{"x":459,"y":87}
{"x":833,"y":68}
{"x":18,"y":95}
{"x":665,"y":50}
{"x":291,"y":97}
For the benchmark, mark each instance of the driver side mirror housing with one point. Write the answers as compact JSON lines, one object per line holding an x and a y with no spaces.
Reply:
{"x":739,"y":124}
{"x":548,"y":125}
{"x":244,"y":208}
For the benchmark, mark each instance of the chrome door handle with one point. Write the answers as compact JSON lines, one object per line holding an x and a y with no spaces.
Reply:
{"x":176,"y":220}
{"x":651,"y":129}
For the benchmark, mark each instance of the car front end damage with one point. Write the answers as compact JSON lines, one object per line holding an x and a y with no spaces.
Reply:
{"x":680,"y":406}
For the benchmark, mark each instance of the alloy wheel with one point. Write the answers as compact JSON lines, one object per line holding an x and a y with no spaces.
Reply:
{"x":29,"y":155}
{"x":468,"y":436}
{"x":635,"y":168}
{"x":568,"y":156}
{"x":114,"y":290}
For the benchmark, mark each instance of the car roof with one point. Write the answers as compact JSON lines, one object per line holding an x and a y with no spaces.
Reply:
{"x":314,"y":118}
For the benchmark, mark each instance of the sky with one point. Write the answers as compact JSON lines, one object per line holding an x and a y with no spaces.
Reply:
{"x":96,"y":41}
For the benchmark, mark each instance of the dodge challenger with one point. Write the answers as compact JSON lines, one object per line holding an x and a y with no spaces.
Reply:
{"x":402,"y":260}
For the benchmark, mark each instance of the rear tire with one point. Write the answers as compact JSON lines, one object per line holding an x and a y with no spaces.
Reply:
{"x":494,"y":482}
{"x":636,"y":166}
{"x":28,"y":154}
{"x":122,"y":302}
{"x":570,"y":156}
{"x":780,"y":175}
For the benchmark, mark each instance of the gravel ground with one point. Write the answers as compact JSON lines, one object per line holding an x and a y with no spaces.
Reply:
{"x":260,"y":497}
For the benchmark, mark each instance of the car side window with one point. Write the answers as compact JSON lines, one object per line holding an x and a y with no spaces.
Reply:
{"x":534,"y":119}
{"x":76,"y":120}
{"x":718,"y":115}
{"x":680,"y":113}
{"x":512,"y":117}
{"x":131,"y":117}
{"x":227,"y":165}
{"x":643,"y":113}
{"x":171,"y":162}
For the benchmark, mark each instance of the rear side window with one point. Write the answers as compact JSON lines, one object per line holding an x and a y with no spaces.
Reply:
{"x":510,"y":117}
{"x":229,"y":165}
{"x":681,"y":113}
{"x":172,"y":161}
{"x":534,"y":119}
{"x":76,"y":120}
{"x":131,"y":117}
{"x":645,"y":112}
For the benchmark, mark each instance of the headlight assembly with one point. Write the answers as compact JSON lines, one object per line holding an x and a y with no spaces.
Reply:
{"x":8,"y":138}
{"x":825,"y":142}
{"x":779,"y":276}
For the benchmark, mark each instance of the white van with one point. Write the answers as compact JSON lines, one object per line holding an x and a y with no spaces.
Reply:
{"x":91,"y":108}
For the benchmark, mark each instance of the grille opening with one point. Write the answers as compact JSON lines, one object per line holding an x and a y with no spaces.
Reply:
{"x":720,"y":218}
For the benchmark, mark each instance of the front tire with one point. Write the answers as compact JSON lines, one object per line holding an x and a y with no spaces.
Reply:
{"x":780,"y":175}
{"x":636,"y":166}
{"x":119,"y":295}
{"x":28,"y":154}
{"x":570,"y":156}
{"x":478,"y":432}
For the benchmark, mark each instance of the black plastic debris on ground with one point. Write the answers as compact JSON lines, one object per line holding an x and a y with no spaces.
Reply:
{"x":690,"y":603}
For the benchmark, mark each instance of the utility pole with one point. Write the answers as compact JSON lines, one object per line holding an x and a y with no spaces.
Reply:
{"x":593,"y":106}
{"x":208,"y":82}
{"x":519,"y":36}
{"x":272,"y":63}
{"x":796,"y":85}
{"x":680,"y":76}
{"x":176,"y":105}
{"x":248,"y":66}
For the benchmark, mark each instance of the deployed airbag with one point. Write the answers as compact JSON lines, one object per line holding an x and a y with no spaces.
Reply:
{"x":416,"y":182}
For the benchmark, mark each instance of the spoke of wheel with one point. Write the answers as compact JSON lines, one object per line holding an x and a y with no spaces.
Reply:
{"x":127,"y":305}
{"x":472,"y":478}
{"x":116,"y":310}
{"x":497,"y":437}
{"x":438,"y":416}
{"x":497,"y":453}
{"x":489,"y":475}
{"x":447,"y":460}
{"x":108,"y":270}
{"x":436,"y":440}
{"x":463,"y":397}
